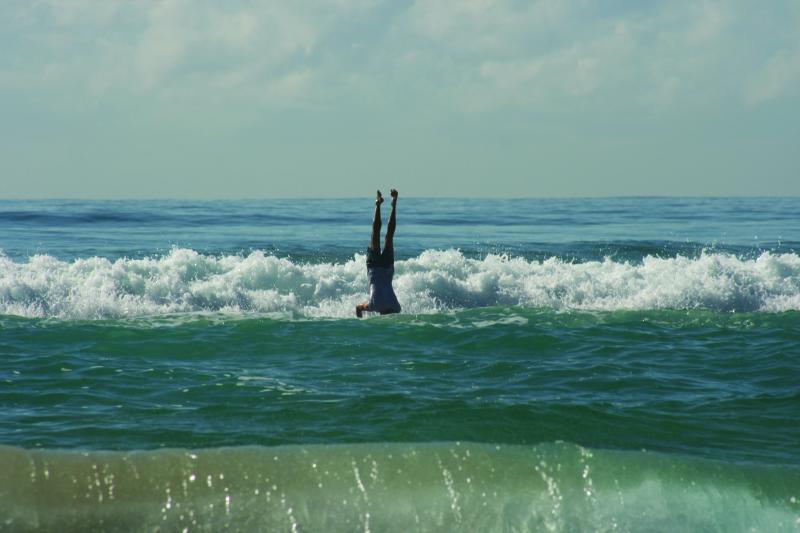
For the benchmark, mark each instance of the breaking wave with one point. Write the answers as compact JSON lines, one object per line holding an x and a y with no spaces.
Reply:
{"x":390,"y":487}
{"x":185,"y":281}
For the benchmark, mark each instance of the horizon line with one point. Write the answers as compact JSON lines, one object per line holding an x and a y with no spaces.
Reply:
{"x":412,"y":196}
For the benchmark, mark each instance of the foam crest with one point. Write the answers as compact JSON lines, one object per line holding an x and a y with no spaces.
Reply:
{"x":185,"y":281}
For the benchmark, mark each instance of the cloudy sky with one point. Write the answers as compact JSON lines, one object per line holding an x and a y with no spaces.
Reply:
{"x":206,"y":99}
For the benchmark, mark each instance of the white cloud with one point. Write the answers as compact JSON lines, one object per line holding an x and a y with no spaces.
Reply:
{"x":484,"y":26}
{"x":164,"y":41}
{"x":155,"y":44}
{"x":523,"y":68}
{"x":72,"y":12}
{"x":779,"y":75}
{"x":474,"y":55}
{"x":707,"y":22}
{"x":222,"y":42}
{"x":552,"y":55}
{"x":287,"y":88}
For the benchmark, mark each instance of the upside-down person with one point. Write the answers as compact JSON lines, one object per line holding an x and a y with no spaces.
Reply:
{"x":380,"y":264}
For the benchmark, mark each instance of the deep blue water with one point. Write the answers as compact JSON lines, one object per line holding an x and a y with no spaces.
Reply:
{"x":573,"y":228}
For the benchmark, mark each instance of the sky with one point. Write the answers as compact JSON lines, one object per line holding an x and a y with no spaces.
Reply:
{"x":335,"y":98}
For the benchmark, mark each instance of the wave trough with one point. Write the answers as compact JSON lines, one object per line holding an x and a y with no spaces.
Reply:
{"x":185,"y":281}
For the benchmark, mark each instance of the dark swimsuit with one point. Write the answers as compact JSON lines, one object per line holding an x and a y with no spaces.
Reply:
{"x":380,"y":270}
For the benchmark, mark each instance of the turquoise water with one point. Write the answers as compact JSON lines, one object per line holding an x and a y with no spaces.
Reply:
{"x":561,"y":365}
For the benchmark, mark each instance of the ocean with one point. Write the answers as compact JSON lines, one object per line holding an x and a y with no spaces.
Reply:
{"x":614,"y":364}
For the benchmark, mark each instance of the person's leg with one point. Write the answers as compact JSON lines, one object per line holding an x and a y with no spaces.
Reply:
{"x":374,"y":245}
{"x":388,"y":240}
{"x":374,"y":242}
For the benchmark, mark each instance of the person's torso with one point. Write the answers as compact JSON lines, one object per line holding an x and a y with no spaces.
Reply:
{"x":380,"y":276}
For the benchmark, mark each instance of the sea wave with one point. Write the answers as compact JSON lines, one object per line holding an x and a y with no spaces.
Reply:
{"x":391,"y":487}
{"x":185,"y":281}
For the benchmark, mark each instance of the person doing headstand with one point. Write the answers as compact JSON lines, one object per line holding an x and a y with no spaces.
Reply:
{"x":380,"y":264}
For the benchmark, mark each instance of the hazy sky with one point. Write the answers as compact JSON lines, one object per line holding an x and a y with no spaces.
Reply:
{"x":208,"y":99}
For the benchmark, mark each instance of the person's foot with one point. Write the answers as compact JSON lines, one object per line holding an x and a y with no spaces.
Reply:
{"x":378,"y":198}
{"x":393,"y":193}
{"x":359,"y":313}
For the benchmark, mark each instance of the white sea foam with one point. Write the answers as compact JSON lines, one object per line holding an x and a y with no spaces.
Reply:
{"x":186,"y":281}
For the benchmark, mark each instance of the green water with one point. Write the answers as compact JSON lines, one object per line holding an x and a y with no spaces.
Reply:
{"x":694,"y":382}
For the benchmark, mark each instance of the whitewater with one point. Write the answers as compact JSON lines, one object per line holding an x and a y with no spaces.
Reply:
{"x":185,"y":281}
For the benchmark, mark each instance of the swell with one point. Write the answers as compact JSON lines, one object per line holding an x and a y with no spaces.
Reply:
{"x":391,"y":487}
{"x":185,"y":281}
